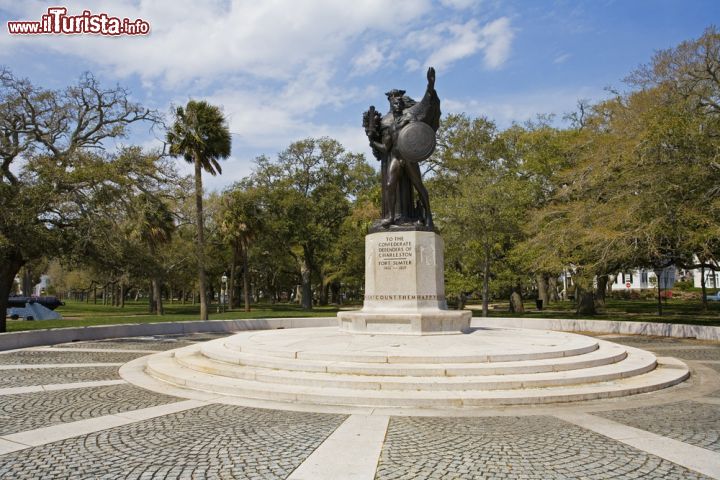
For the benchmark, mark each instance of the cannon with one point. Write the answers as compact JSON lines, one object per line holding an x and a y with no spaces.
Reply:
{"x":33,"y":308}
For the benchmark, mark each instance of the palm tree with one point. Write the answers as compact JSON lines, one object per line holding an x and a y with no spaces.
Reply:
{"x":201,"y":135}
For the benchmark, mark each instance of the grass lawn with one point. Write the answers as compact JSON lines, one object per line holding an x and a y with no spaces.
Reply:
{"x":80,"y":314}
{"x":674,"y":311}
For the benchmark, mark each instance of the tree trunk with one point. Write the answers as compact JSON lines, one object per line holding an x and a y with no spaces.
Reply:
{"x":246,"y":279}
{"x":542,"y":286}
{"x":122,"y":295}
{"x":586,"y":302}
{"x":95,"y":295}
{"x":324,"y":290}
{"x":461,"y":301}
{"x":200,"y":240}
{"x":27,"y":286}
{"x":158,"y":304}
{"x":516,"y":302}
{"x":658,"y":273}
{"x":231,"y":281}
{"x":486,"y":282}
{"x":151,"y":298}
{"x":703,"y":286}
{"x":552,"y":289}
{"x":335,"y":291}
{"x":8,"y":270}
{"x":602,"y":283}
{"x":305,"y":274}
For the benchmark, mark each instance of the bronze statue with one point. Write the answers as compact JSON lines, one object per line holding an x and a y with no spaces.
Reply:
{"x":401,"y":139}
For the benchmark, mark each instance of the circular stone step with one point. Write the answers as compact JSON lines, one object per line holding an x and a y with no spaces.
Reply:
{"x":476,"y":346}
{"x":325,"y":366}
{"x":606,"y":353}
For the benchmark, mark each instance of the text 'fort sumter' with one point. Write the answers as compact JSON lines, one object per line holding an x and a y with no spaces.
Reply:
{"x":395,"y":253}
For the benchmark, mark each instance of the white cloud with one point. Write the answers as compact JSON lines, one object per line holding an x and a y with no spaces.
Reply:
{"x":412,"y":65}
{"x":459,"y":4}
{"x":369,"y":60}
{"x":464,"y":41}
{"x":497,"y":39}
{"x":190,"y":40}
{"x":561,"y":58}
{"x":449,"y":42}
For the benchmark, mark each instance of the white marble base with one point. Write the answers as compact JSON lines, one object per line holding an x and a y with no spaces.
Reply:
{"x":434,"y":322}
{"x":319,"y":368}
{"x":404,"y":288}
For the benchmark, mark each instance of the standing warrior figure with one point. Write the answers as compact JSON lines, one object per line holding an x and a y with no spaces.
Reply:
{"x":401,"y":139}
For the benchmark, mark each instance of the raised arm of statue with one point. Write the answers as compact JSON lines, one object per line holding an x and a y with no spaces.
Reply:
{"x":431,"y":78}
{"x":427,"y":110}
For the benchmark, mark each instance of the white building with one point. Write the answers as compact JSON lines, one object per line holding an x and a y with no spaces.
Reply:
{"x":712,"y":278}
{"x":643,"y":279}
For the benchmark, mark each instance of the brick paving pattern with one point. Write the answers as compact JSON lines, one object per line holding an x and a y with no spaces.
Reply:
{"x":43,"y":376}
{"x":709,"y":353}
{"x":28,"y":411}
{"x":714,"y":366}
{"x":129,"y":344}
{"x":216,"y":441}
{"x":204,"y":337}
{"x":632,"y":340}
{"x":690,"y":422}
{"x":529,"y":448}
{"x":34,"y":357}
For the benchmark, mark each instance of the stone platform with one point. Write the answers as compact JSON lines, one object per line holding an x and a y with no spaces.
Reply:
{"x":404,"y":288}
{"x":67,"y":414}
{"x":487,"y":366}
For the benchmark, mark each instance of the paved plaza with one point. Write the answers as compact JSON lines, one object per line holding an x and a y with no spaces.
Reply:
{"x":66,"y":413}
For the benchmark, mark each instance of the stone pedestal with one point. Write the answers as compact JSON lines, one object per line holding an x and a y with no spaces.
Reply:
{"x":404,"y":288}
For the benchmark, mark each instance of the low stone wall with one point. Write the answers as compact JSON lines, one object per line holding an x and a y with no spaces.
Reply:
{"x":34,"y":338}
{"x":700,"y":332}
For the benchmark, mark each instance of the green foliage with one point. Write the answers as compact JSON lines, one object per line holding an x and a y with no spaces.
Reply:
{"x":200,"y":134}
{"x":480,"y":198}
{"x":307,"y":195}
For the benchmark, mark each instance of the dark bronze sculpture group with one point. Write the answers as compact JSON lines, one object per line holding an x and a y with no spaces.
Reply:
{"x":401,"y":139}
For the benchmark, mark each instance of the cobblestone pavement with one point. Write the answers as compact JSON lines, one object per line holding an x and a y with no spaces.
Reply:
{"x":532,"y":447}
{"x":34,"y":357}
{"x":28,"y":411}
{"x":224,"y":441}
{"x":44,"y":376}
{"x":217,"y":441}
{"x":690,"y":422}
{"x":640,"y":342}
{"x":149,"y":343}
{"x":690,"y":354}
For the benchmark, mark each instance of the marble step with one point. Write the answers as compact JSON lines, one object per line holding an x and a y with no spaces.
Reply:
{"x":637,"y":363}
{"x":260,"y":344}
{"x":165,"y":367}
{"x":604,"y":353}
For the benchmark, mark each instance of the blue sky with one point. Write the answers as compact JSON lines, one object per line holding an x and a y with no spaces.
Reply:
{"x":290,"y":69}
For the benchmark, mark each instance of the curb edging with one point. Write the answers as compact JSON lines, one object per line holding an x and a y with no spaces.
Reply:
{"x":35,"y":338}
